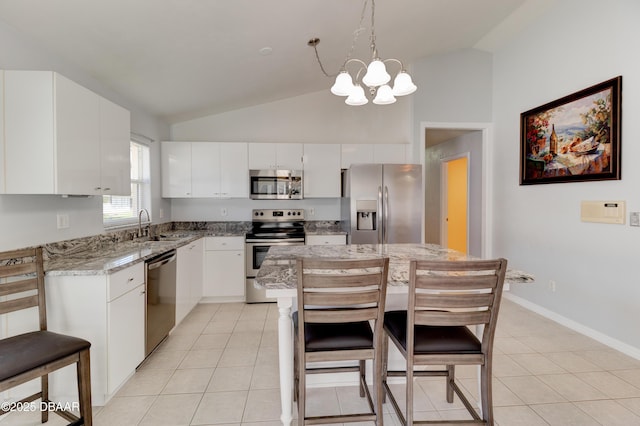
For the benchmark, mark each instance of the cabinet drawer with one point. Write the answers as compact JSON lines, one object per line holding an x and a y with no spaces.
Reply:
{"x":122,"y":281}
{"x":224,"y":243}
{"x":325,"y":239}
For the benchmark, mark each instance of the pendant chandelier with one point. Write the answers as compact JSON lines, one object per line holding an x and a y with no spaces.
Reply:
{"x":374,"y":75}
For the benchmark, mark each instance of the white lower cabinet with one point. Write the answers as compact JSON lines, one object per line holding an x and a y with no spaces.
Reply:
{"x":109,"y":312}
{"x":126,"y":327}
{"x":316,"y":240}
{"x":224,"y":273}
{"x":189,"y":278}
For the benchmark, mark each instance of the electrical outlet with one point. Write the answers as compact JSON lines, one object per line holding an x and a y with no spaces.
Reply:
{"x":161,"y":213}
{"x":552,"y":285}
{"x":312,"y":212}
{"x":223,"y":211}
{"x":63,"y":220}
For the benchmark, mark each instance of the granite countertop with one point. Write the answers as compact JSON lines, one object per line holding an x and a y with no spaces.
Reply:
{"x":111,"y":252}
{"x":107,"y":258}
{"x":278,"y":268}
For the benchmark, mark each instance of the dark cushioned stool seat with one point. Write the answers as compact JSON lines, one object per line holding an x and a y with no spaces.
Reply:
{"x":432,"y":339}
{"x":25,"y":352}
{"x":335,"y":337}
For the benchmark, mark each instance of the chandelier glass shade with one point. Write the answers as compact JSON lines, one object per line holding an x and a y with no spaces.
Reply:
{"x":374,"y":75}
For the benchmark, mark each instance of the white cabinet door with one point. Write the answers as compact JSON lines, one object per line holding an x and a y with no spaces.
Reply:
{"x":262,"y":156}
{"x":77,"y":116}
{"x":2,"y":187}
{"x":29,"y":100}
{"x":183,"y":286}
{"x":315,"y":240}
{"x":281,"y":156}
{"x":176,"y":169}
{"x":188,"y":278}
{"x":356,"y":153}
{"x":234,"y":170}
{"x":125,"y":336}
{"x":389,"y":153}
{"x":115,"y":136}
{"x":205,"y":170}
{"x":224,"y":272}
{"x":197,"y":272}
{"x":289,"y":156}
{"x":322,"y":171}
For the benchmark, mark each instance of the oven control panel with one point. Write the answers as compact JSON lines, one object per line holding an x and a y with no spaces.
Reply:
{"x":277,"y":215}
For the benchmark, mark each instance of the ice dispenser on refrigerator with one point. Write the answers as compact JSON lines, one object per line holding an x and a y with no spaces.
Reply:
{"x":366,"y":215}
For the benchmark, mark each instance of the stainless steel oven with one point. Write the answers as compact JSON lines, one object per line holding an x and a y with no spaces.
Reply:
{"x":275,"y":184}
{"x":269,"y":228}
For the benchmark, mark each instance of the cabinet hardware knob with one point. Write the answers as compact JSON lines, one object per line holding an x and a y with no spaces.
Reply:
{"x":130,"y":279}
{"x":107,"y":189}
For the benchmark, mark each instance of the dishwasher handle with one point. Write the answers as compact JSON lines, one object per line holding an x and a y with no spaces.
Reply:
{"x":162,"y":260}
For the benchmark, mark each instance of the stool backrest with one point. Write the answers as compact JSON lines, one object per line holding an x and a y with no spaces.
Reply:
{"x":22,"y":282}
{"x":456,"y":293}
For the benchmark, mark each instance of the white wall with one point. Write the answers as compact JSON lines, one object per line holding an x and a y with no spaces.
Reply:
{"x":575,"y":44}
{"x":318,"y":117}
{"x":452,"y":87}
{"x":31,"y":220}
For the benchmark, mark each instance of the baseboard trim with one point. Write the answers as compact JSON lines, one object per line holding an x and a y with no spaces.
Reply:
{"x":575,"y":326}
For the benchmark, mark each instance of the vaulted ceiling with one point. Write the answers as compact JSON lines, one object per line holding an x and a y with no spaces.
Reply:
{"x":181,"y":59}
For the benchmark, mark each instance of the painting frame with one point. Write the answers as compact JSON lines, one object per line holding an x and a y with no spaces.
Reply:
{"x":585,"y":146}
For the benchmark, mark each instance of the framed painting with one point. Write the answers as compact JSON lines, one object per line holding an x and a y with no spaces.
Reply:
{"x":575,"y":138}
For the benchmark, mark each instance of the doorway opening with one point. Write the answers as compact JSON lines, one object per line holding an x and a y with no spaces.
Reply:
{"x":444,"y":142}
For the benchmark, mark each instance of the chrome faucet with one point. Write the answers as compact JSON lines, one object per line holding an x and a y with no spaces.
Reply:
{"x":140,"y":234}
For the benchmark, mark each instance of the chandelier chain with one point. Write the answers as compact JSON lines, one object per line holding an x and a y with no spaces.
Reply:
{"x":356,"y":33}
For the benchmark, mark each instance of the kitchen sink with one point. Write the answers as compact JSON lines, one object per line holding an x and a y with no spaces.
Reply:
{"x":160,"y":238}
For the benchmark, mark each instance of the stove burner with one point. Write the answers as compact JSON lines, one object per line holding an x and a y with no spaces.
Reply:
{"x":277,"y":224}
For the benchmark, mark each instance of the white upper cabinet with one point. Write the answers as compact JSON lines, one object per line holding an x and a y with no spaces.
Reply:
{"x":176,"y":169}
{"x":321,"y":170}
{"x":204,"y":170}
{"x":54,"y":129}
{"x":389,"y":153}
{"x":365,"y":153}
{"x":2,"y":171}
{"x":279,"y":156}
{"x":77,"y":138}
{"x":115,"y":134}
{"x":234,"y":170}
{"x":356,"y":153}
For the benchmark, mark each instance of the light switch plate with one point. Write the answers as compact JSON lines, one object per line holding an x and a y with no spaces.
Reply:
{"x":634,"y":219}
{"x":603,"y":212}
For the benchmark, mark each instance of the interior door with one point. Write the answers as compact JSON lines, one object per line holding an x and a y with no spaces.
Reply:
{"x":456,"y":203}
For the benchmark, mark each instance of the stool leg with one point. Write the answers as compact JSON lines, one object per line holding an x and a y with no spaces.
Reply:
{"x":84,"y":387}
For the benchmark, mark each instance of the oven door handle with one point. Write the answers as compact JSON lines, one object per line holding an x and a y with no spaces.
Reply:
{"x":288,"y":241}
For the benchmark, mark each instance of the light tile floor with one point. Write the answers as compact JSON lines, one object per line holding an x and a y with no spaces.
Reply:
{"x":219,"y":367}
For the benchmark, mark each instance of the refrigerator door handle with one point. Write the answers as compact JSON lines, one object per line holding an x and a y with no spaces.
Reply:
{"x":379,"y":219}
{"x":385,"y":209}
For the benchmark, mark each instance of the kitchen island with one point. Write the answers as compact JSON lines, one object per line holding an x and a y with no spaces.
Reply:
{"x":278,"y":276}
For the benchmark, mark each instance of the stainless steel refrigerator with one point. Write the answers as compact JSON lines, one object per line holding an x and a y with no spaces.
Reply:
{"x":382,"y":203}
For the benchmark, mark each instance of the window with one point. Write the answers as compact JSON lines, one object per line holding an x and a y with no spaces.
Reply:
{"x":120,"y":210}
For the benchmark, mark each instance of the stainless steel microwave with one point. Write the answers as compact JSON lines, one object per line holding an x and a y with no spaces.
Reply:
{"x":275,"y":184}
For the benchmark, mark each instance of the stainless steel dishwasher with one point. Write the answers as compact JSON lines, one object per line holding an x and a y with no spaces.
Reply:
{"x":161,"y":299}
